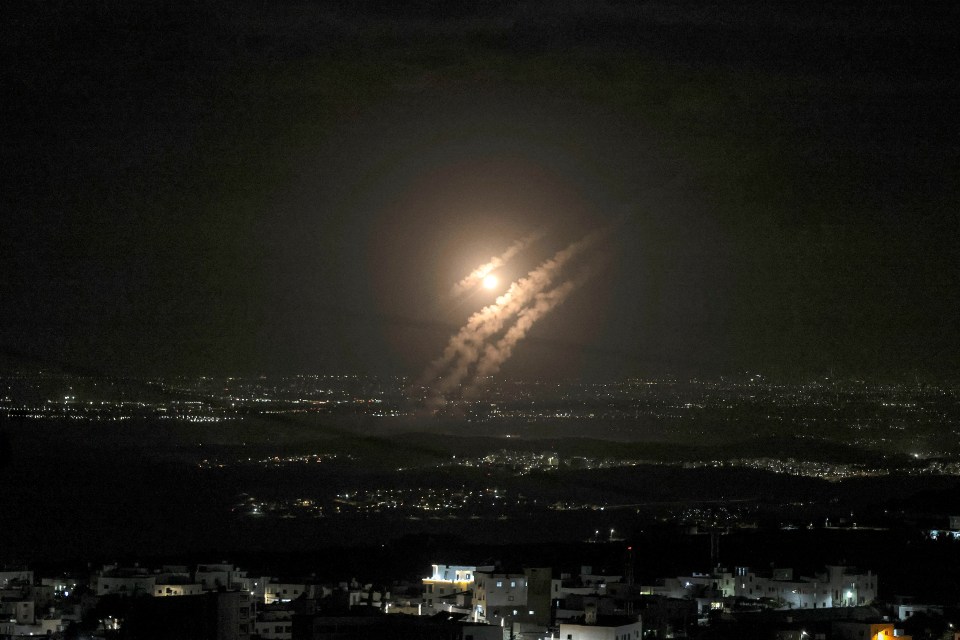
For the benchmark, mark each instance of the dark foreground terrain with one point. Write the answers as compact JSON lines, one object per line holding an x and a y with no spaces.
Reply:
{"x":394,"y":506}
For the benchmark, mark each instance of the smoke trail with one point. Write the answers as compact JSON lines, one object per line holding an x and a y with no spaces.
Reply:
{"x":495,"y":262}
{"x":494,"y":355}
{"x":465,"y":348}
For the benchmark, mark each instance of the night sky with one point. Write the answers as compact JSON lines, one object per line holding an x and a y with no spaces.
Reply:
{"x":236,"y":188}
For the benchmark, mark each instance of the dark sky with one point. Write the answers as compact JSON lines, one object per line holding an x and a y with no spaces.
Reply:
{"x":232,"y":188}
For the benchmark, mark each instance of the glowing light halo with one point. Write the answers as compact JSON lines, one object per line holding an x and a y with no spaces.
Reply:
{"x":490,"y":281}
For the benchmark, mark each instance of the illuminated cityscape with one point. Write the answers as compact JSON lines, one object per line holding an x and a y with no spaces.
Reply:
{"x":818,"y":466}
{"x":479,"y":320}
{"x":828,"y":460}
{"x":915,"y":419}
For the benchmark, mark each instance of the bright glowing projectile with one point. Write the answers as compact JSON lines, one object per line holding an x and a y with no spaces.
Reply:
{"x":480,"y":274}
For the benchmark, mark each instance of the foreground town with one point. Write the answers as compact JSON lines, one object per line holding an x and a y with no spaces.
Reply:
{"x":464,"y":602}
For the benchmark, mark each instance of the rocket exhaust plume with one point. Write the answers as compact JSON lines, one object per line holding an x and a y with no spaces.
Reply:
{"x":477,"y":275}
{"x":466,"y":347}
{"x":494,"y":355}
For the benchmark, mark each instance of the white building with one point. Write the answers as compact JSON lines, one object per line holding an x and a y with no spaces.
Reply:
{"x":838,"y":586}
{"x":905,"y":611}
{"x":214,"y":576}
{"x":126,"y":584}
{"x":281,"y":591}
{"x":574,"y":595}
{"x":444,"y":582}
{"x":497,"y":596}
